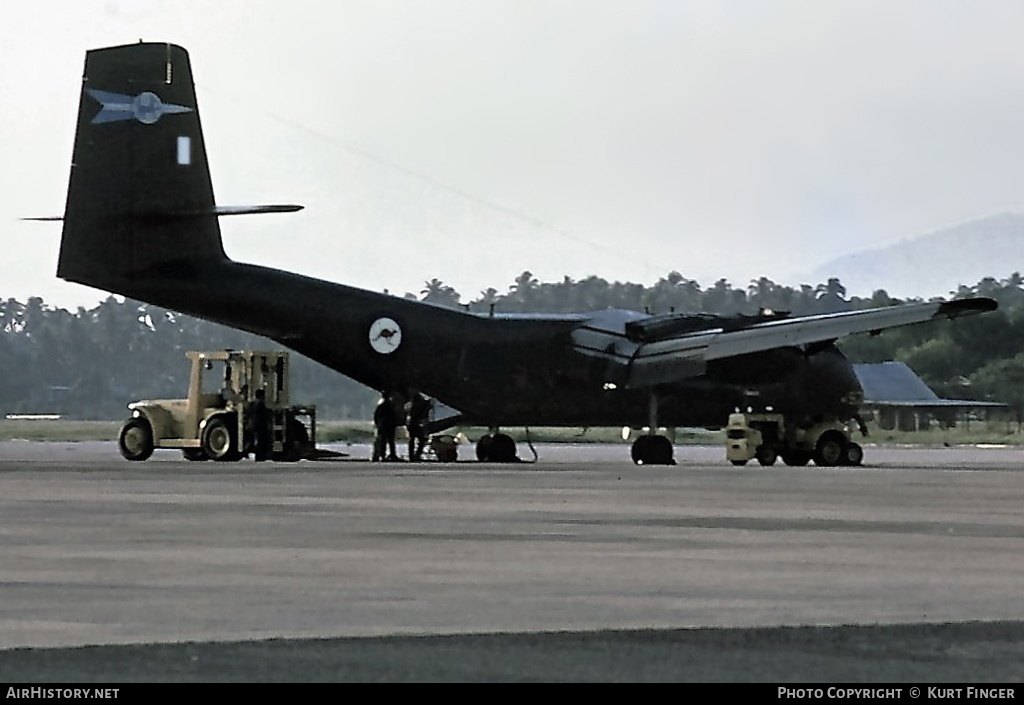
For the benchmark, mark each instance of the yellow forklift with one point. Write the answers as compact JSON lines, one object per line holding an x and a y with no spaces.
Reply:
{"x":237,"y":404}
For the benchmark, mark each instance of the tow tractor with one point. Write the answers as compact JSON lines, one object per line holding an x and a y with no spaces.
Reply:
{"x":222,"y":419}
{"x":767,"y":437}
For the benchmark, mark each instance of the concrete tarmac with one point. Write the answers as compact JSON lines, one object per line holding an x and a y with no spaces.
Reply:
{"x":97,"y":550}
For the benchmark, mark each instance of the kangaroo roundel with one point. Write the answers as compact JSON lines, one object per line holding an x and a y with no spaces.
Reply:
{"x":385,"y":335}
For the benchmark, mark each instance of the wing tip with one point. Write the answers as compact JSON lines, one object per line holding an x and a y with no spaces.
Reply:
{"x":966,"y":307}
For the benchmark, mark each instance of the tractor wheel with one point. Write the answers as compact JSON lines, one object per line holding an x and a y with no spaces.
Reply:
{"x":854,"y":454}
{"x":136,"y":439}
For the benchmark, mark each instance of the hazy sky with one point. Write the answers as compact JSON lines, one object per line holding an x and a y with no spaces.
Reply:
{"x":470,"y":140}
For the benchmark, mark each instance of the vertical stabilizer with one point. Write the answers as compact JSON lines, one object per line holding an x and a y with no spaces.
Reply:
{"x":140,"y":198}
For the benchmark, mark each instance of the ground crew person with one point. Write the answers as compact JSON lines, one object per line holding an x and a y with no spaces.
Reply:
{"x":419,"y":414}
{"x":386,"y":421}
{"x":259,"y":417}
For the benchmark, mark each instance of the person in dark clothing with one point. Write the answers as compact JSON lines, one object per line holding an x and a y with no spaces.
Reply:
{"x":259,"y":417}
{"x":385,"y":419}
{"x":419,"y":414}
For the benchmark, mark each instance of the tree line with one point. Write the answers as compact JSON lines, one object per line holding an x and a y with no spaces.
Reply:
{"x":91,"y":362}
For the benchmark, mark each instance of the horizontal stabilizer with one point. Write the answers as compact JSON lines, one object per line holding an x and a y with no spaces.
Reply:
{"x":221,"y":210}
{"x":253,"y":210}
{"x":217,"y":211}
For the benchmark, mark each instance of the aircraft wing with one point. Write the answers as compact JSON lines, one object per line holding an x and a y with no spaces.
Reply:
{"x":671,"y":358}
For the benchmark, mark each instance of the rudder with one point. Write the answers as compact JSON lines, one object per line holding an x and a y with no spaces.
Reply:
{"x":140,"y":198}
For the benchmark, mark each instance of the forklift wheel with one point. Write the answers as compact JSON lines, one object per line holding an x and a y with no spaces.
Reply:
{"x":830,"y":449}
{"x":136,"y":439}
{"x":219,"y":440}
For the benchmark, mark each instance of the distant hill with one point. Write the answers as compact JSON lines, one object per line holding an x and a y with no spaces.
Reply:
{"x":933,"y":263}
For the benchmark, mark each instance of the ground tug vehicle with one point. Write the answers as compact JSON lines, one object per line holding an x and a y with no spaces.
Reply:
{"x":242,"y":409}
{"x":767,"y":437}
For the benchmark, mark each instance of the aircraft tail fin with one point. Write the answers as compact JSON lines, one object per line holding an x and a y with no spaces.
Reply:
{"x":140,"y":195}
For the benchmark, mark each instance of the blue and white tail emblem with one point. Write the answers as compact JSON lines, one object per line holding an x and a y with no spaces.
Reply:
{"x":145,"y":107}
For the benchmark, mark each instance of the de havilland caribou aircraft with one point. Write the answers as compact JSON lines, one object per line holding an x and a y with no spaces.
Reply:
{"x":141,"y":221}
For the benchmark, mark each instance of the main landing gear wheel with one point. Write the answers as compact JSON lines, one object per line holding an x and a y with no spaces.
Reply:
{"x":498,"y":448}
{"x":219,"y":440}
{"x":652,"y":450}
{"x":136,"y":439}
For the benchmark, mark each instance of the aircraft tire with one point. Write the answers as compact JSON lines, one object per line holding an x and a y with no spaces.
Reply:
{"x":499,"y":448}
{"x":136,"y":439}
{"x":830,"y":449}
{"x":483,"y":448}
{"x":637,"y":450}
{"x":660,"y":451}
{"x":503,"y":449}
{"x":219,"y":440}
{"x":652,"y":450}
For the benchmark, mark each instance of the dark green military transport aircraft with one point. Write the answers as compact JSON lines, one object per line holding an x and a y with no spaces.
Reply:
{"x":141,"y":221}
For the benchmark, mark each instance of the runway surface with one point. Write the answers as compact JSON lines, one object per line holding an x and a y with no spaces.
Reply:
{"x":97,"y":550}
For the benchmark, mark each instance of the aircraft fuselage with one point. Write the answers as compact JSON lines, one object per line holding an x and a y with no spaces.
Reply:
{"x":496,"y":369}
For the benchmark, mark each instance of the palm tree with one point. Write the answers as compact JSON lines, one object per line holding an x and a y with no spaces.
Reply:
{"x":523,"y":291}
{"x":831,"y":296}
{"x":437,"y":292}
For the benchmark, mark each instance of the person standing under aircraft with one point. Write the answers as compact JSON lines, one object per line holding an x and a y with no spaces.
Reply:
{"x":260,"y":420}
{"x":419,"y":414}
{"x":385,"y":419}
